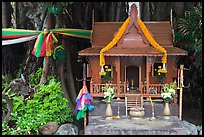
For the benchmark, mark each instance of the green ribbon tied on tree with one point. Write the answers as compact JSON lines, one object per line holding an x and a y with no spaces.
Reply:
{"x":46,"y":39}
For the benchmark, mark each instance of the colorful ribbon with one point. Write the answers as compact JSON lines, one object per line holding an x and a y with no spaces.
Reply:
{"x":84,"y":103}
{"x":46,"y":39}
{"x":18,"y":40}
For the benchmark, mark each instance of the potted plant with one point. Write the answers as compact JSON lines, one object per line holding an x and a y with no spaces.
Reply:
{"x":168,"y":92}
{"x":161,"y":74}
{"x":168,"y":95}
{"x":109,"y":94}
{"x":59,"y":52}
{"x":106,"y":73}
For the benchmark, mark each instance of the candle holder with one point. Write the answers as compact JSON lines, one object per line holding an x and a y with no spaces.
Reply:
{"x":118,"y":116}
{"x":152,"y":108}
{"x":132,"y":83}
{"x":153,"y":117}
{"x":118,"y":112}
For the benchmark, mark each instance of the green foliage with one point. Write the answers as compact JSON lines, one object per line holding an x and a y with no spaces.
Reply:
{"x":4,"y":82}
{"x":4,"y":86}
{"x":167,"y":88}
{"x":109,"y":93}
{"x":34,"y":79}
{"x":19,"y":71}
{"x":48,"y":104}
{"x":160,"y":77}
{"x":189,"y":36}
{"x":168,"y":91}
{"x":191,"y":24}
{"x":6,"y":130}
{"x":107,"y":74}
{"x":54,"y":7}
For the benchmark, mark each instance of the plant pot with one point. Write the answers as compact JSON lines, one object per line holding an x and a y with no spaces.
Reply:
{"x":60,"y":54}
{"x":166,"y":111}
{"x":137,"y":114}
{"x":109,"y":111}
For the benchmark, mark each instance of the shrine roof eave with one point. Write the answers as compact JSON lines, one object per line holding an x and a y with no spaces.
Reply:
{"x":148,"y":51}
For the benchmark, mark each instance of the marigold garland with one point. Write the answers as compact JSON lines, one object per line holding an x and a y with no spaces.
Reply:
{"x":114,"y":41}
{"x":120,"y":33}
{"x":152,"y":41}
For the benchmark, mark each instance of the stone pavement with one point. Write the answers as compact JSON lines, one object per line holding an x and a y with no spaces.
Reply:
{"x":98,"y":125}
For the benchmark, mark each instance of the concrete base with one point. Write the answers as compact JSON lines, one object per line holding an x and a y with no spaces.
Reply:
{"x":98,"y":125}
{"x":109,"y":118}
{"x":100,"y":107}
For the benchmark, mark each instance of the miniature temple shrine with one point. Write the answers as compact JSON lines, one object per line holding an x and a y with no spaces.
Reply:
{"x":130,"y":55}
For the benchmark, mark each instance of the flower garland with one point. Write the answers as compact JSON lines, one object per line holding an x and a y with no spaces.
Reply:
{"x":113,"y":42}
{"x":120,"y":33}
{"x":153,"y":42}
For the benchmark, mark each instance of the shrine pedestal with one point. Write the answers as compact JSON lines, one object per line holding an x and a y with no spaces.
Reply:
{"x":126,"y":126}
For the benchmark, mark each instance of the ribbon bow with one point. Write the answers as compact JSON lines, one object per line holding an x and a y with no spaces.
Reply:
{"x":44,"y":44}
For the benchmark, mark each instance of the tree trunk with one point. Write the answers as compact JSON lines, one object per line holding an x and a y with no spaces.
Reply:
{"x":70,"y":84}
{"x":77,"y":16}
{"x":4,"y":17}
{"x":118,"y":11}
{"x":7,"y":56}
{"x":61,"y":64}
{"x":145,"y":11}
{"x":110,"y":11}
{"x":46,"y":59}
{"x":16,"y":15}
{"x":105,"y":9}
{"x":45,"y":70}
{"x":6,"y":14}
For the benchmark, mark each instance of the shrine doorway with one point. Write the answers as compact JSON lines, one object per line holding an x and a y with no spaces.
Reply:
{"x":133,"y":78}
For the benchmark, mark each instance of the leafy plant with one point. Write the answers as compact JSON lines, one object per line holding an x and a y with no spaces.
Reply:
{"x":48,"y":104}
{"x":6,"y":130}
{"x":106,"y":73}
{"x":4,"y":82}
{"x":160,"y":75}
{"x":190,"y":30}
{"x":34,"y":79}
{"x":109,"y":93}
{"x":189,"y":37}
{"x":168,"y":91}
{"x":169,"y":88}
{"x":19,"y":71}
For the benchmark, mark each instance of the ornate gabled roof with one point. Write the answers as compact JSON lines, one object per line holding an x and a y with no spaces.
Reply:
{"x":132,"y":42}
{"x":133,"y":36}
{"x":140,"y":51}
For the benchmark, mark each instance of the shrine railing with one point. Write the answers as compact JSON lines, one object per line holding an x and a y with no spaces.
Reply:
{"x":96,"y":90}
{"x":154,"y":90}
